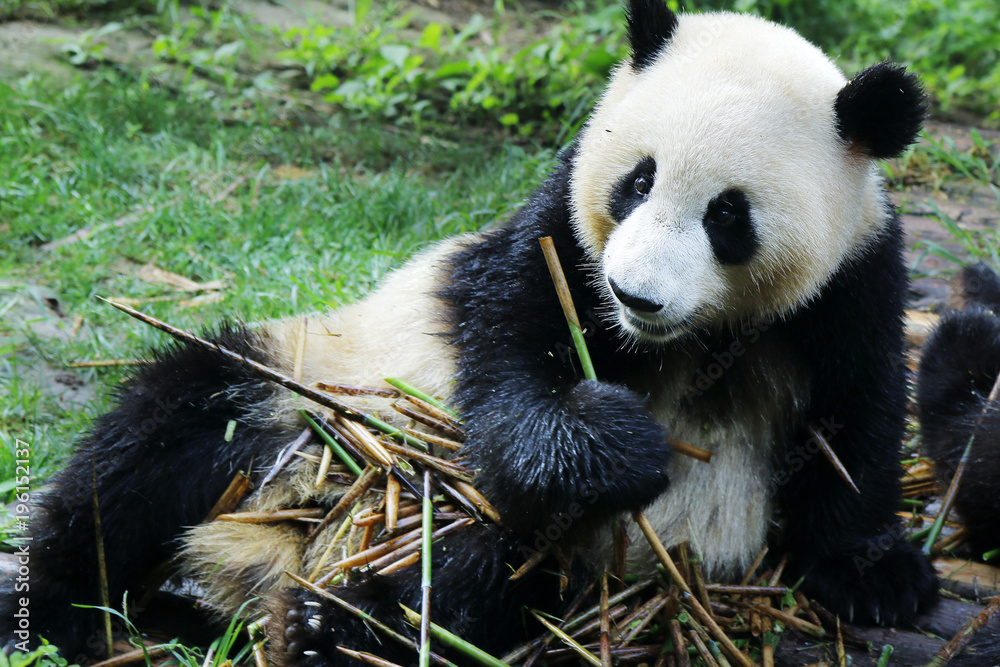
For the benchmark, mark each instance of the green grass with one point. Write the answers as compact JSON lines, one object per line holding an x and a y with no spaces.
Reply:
{"x":318,"y":215}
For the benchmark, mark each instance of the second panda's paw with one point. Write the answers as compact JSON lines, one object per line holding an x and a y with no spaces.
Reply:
{"x":888,"y":583}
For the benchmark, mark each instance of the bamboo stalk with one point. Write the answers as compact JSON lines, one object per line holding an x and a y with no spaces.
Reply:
{"x":409,"y":389}
{"x":391,"y":502}
{"x":300,"y":349}
{"x":324,"y":467}
{"x":965,"y":634}
{"x":794,"y":621}
{"x":344,"y":526}
{"x":753,"y":566}
{"x":274,"y":516}
{"x":347,"y":606}
{"x":284,"y":456}
{"x":566,"y":301}
{"x":646,"y":613}
{"x":433,"y":439}
{"x":454,"y":641}
{"x":400,"y":564}
{"x":692,"y":601}
{"x":231,"y":497}
{"x":605,"y":623}
{"x":364,"y":441}
{"x":258,"y":368}
{"x":442,"y":465}
{"x":102,"y":567}
{"x":364,"y":482}
{"x":425,"y":576}
{"x":684,"y":448}
{"x":566,"y":639}
{"x":354,"y":390}
{"x":467,"y":503}
{"x":703,"y":651}
{"x":413,"y":545}
{"x":529,"y":564}
{"x":437,"y":411}
{"x":680,"y":646}
{"x":444,"y":427}
{"x":138,"y":655}
{"x":331,"y":443}
{"x":366,"y":658}
{"x":725,"y":589}
{"x":831,"y":456}
{"x":255,"y":632}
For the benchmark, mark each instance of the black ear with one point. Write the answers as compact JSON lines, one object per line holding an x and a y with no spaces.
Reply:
{"x":881,"y":110}
{"x":650,"y":25}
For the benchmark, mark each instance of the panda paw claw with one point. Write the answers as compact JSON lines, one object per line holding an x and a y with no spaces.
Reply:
{"x":889,"y":590}
{"x":306,"y":638}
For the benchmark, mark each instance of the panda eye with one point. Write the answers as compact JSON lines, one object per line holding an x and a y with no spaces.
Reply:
{"x":722,"y":213}
{"x":642,"y":184}
{"x":730,"y":227}
{"x":632,"y":189}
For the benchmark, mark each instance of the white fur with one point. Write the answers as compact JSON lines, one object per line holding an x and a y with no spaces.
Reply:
{"x":396,"y":331}
{"x":732,"y":102}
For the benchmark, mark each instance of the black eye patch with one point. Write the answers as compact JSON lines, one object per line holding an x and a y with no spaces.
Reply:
{"x":730,"y":227}
{"x":632,"y":189}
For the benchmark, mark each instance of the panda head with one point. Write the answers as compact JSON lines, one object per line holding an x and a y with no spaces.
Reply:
{"x":730,"y":169}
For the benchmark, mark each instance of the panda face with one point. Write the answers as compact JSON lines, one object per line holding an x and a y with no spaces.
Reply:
{"x":711,"y":184}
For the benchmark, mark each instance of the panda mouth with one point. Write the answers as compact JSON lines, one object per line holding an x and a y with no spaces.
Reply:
{"x":656,"y":331}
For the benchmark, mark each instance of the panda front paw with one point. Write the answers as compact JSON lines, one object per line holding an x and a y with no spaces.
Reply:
{"x":568,"y":458}
{"x":888,"y":583}
{"x":627,"y":460}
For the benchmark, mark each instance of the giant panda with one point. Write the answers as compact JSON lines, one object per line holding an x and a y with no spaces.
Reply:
{"x":725,"y":234}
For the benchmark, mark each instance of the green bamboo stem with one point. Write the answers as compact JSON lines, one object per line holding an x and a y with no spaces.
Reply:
{"x":454,"y":641}
{"x":408,"y":388}
{"x":425,"y":584}
{"x":332,"y":444}
{"x":569,"y":310}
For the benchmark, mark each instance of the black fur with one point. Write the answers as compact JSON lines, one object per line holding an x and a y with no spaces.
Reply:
{"x":729,"y":225}
{"x":977,"y":284}
{"x":161,"y":462}
{"x":471,"y":591}
{"x":625,"y":198}
{"x":650,"y":26}
{"x":542,"y":436}
{"x":959,"y":365}
{"x":881,"y":110}
{"x":849,"y":545}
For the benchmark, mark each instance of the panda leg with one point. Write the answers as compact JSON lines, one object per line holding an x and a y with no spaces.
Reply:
{"x":157,"y":463}
{"x":960,"y":363}
{"x":849,"y":547}
{"x":472,"y":596}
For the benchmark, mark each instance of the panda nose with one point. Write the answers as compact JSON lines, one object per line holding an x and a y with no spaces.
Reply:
{"x":633,"y":302}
